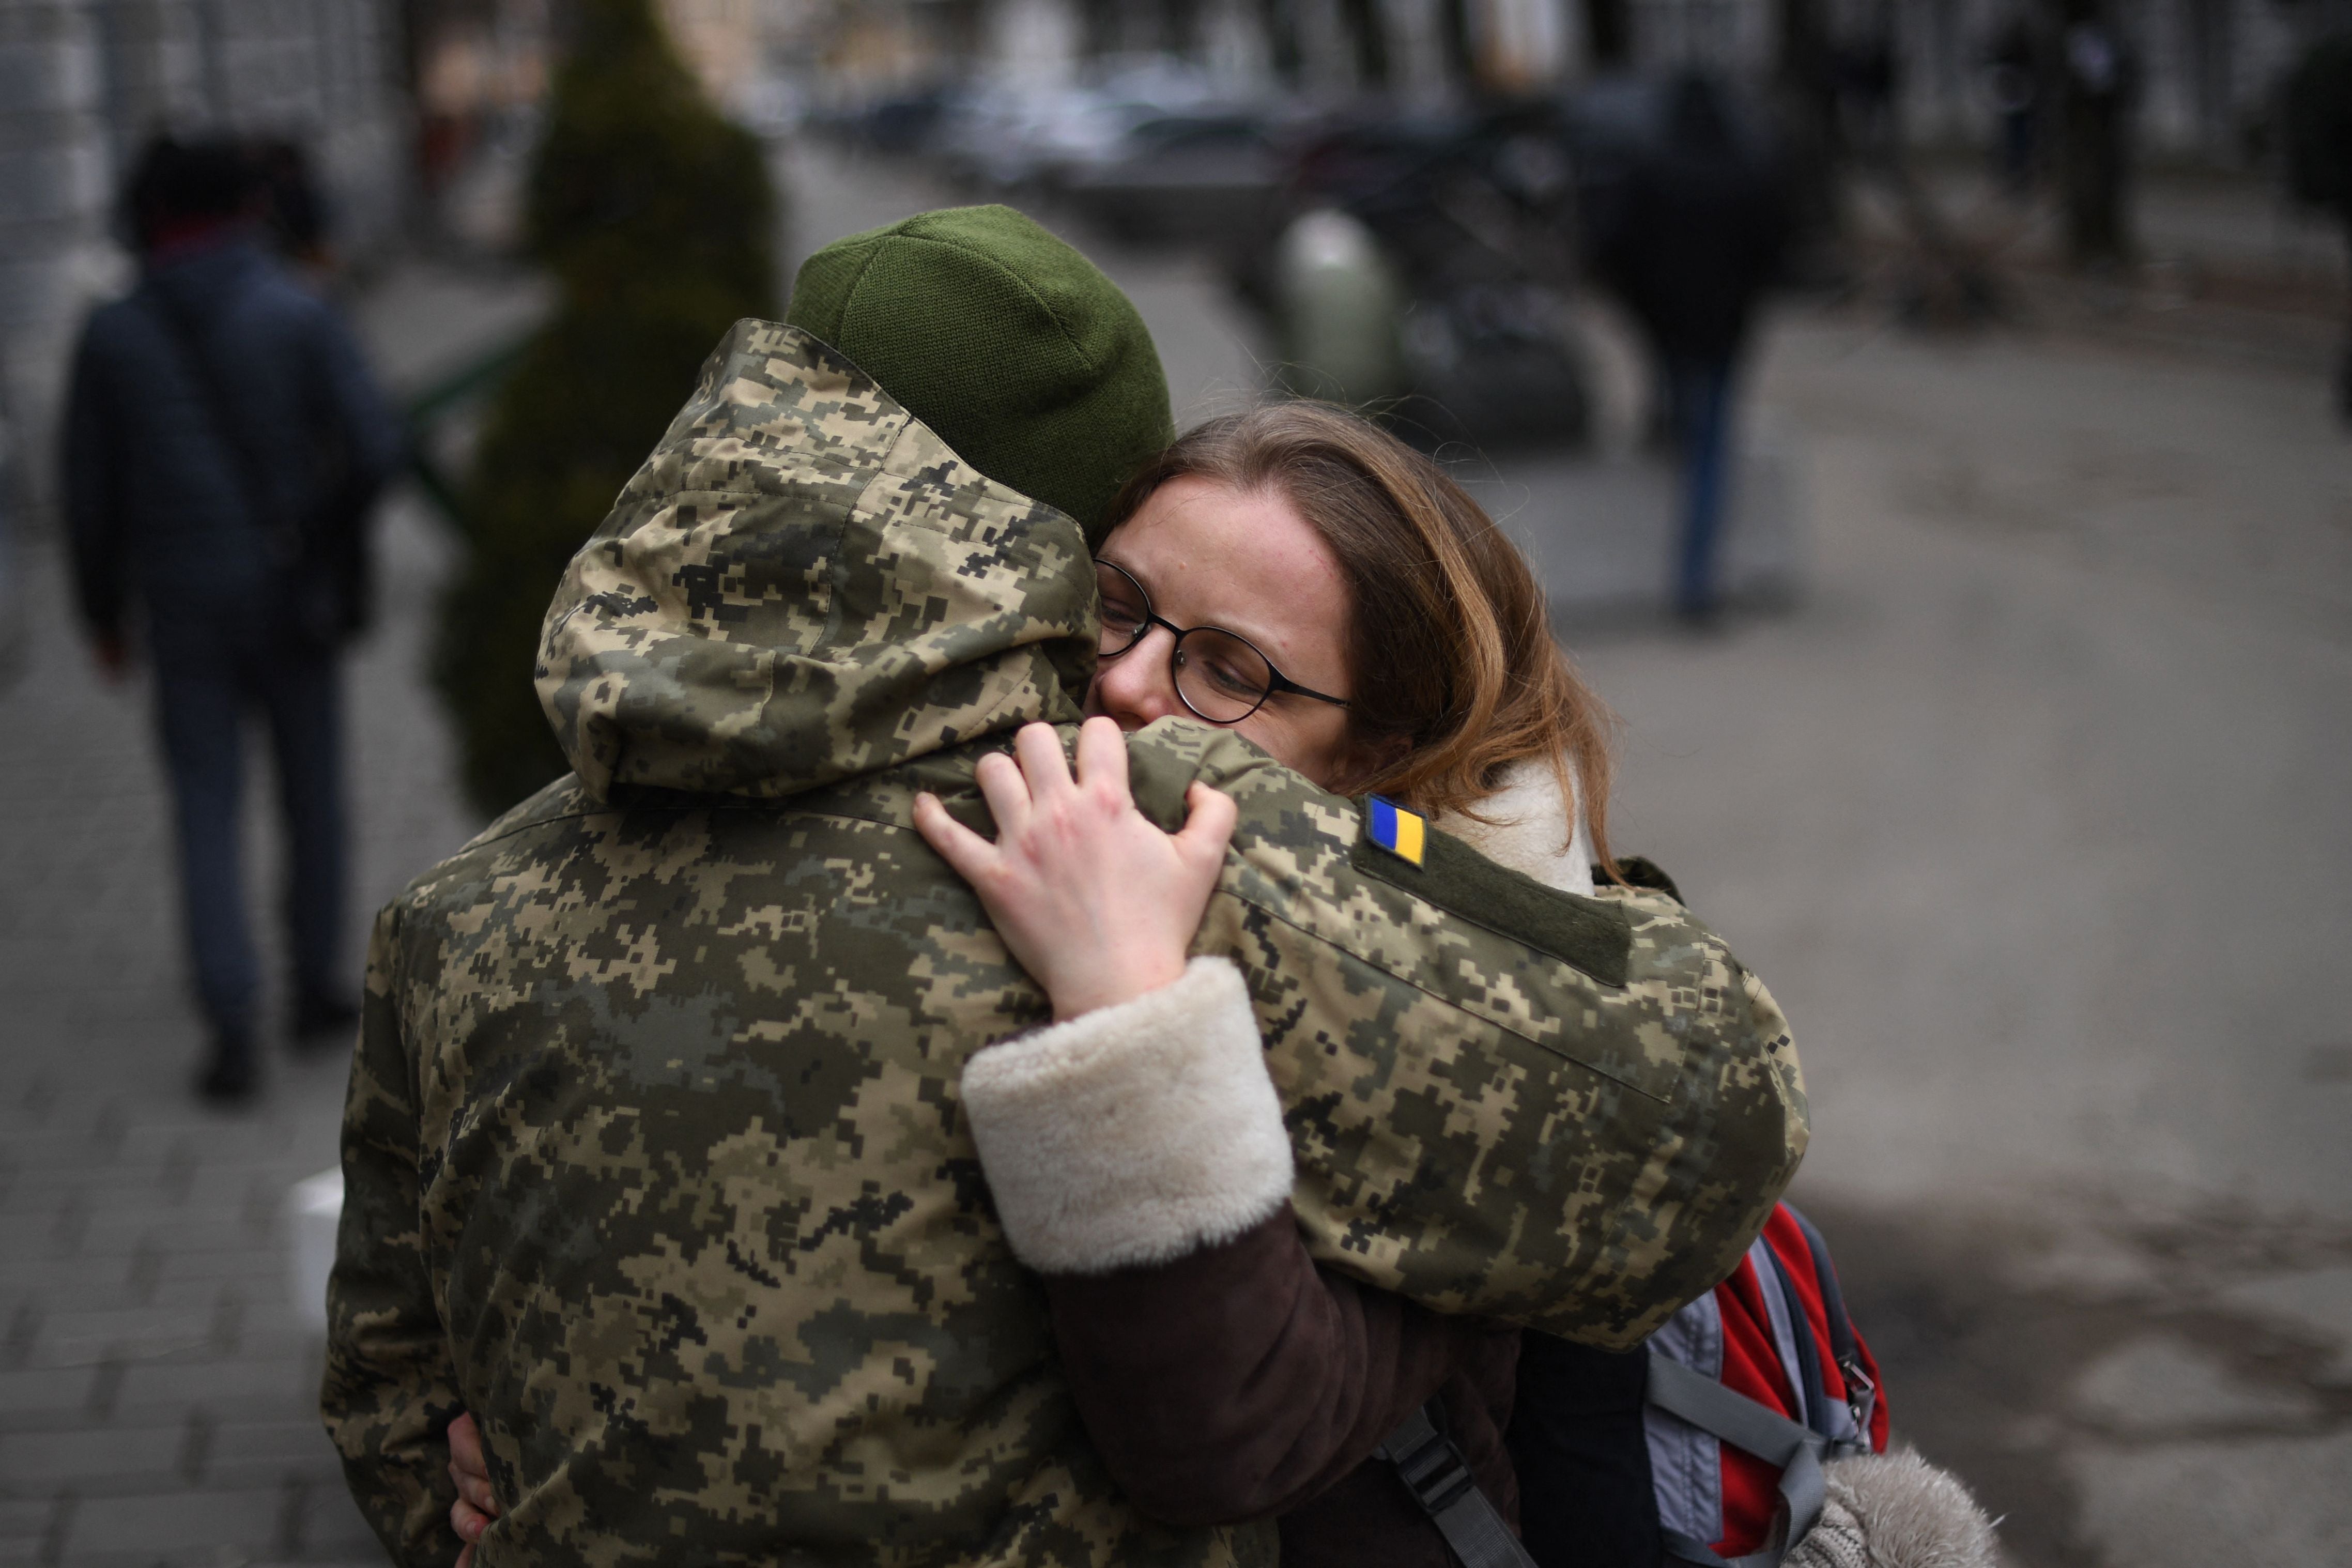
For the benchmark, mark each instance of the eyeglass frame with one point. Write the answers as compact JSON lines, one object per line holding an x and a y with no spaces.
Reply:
{"x":1276,"y":682}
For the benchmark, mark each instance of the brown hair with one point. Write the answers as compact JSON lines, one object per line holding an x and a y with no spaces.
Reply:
{"x":1455,"y":671}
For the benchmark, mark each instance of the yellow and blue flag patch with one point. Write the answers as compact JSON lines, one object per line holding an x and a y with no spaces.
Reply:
{"x":1391,"y":827}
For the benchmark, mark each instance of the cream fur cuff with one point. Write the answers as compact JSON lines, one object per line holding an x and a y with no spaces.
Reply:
{"x":1132,"y":1134}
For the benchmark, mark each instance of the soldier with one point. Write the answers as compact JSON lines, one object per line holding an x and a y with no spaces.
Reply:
{"x":655,"y":1156}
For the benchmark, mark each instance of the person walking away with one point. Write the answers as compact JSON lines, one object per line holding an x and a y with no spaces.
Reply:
{"x":2098,"y":93}
{"x":2014,"y":80}
{"x":2319,"y":126}
{"x":223,"y":443}
{"x":1696,"y":242}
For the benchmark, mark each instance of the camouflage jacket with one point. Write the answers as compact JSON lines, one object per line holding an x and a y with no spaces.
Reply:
{"x":653,"y":1154}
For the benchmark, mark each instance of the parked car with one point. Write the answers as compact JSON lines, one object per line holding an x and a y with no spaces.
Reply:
{"x":1473,"y":214}
{"x":1210,"y":180}
{"x":898,"y":122}
{"x":1011,"y":134}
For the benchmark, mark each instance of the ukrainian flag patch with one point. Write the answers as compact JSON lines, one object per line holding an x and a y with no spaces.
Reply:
{"x":1391,"y":827}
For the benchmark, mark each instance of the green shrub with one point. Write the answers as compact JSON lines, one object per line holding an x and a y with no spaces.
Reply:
{"x":655,"y":216}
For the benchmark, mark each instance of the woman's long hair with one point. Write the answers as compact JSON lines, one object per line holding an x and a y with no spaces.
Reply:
{"x":1455,"y":674}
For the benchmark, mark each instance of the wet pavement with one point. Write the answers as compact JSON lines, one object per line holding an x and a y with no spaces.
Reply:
{"x":2032,"y":813}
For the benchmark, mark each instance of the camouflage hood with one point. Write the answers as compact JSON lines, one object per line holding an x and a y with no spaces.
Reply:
{"x":803,"y":584}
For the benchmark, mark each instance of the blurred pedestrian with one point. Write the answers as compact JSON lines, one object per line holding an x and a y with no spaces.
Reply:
{"x":223,"y":443}
{"x":1870,"y":83}
{"x":2098,"y":87}
{"x":2318,"y":101}
{"x":1696,"y":242}
{"x":2013,"y":78}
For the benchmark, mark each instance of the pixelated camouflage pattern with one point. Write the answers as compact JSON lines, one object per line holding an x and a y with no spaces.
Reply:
{"x":1479,"y":1125}
{"x":803,"y":583}
{"x":654,"y":1155}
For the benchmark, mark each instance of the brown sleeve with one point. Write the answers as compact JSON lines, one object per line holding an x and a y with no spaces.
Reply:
{"x":1240,"y":1380}
{"x":1138,"y":1161}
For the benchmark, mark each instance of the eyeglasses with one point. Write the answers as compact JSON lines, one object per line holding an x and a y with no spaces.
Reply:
{"x":1219,"y":675}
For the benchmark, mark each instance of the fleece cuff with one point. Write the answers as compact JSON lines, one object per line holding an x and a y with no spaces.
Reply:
{"x":1134,"y":1134}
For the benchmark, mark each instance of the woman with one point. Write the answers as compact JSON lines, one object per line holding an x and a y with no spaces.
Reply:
{"x":1304,"y":578}
{"x":1298,"y":575}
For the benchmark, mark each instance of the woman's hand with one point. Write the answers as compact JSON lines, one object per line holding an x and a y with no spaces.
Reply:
{"x":1097,"y":903}
{"x":477,"y":1504}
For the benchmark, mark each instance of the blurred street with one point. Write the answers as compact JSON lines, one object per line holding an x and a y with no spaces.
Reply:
{"x":2033,"y":817}
{"x":2030,"y":808}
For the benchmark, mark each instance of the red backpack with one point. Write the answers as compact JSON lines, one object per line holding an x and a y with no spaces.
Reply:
{"x":1750,"y":1389}
{"x":1704,"y":1448}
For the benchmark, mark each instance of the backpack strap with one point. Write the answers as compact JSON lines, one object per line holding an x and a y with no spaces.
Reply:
{"x":1736,"y":1419}
{"x":1805,"y":1376}
{"x":1439,"y":1477}
{"x":1860,"y":1388}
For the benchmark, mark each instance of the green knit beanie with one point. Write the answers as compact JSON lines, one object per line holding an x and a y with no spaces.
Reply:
{"x":1007,"y":343}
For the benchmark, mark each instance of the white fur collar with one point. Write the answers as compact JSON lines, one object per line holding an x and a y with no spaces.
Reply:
{"x":1530,"y":821}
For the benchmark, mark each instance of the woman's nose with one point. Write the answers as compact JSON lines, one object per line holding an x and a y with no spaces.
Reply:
{"x":1134,"y":689}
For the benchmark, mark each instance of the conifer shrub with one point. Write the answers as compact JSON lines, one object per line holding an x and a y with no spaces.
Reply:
{"x":655,"y":216}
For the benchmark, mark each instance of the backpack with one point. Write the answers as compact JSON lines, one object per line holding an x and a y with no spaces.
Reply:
{"x":1711,"y":1434}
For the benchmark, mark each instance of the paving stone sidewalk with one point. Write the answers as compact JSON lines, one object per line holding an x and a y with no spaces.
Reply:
{"x":158,"y":1384}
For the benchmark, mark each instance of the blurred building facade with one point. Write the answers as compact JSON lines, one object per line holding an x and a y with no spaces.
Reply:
{"x":2206,"y":69}
{"x":84,"y":82}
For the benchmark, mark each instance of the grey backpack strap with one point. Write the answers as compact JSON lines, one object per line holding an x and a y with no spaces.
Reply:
{"x":1439,"y":1477}
{"x":1745,"y":1424}
{"x":1845,"y":1346}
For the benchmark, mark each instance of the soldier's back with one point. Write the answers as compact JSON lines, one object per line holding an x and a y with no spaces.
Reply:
{"x":709,"y":1233}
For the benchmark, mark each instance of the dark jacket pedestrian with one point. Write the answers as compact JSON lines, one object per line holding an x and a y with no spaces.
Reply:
{"x":1698,"y":237}
{"x":1694,"y":245}
{"x":2014,"y":78}
{"x":223,"y":437}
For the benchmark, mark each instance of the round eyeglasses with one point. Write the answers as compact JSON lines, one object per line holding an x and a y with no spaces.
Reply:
{"x":1219,"y":675}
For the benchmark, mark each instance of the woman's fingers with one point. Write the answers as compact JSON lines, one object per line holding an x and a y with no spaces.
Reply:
{"x":966,"y":852}
{"x":477,"y":1504}
{"x":1006,"y":789}
{"x":1039,"y":747}
{"x":464,"y":1439}
{"x":474,"y":1493}
{"x":467,"y":1465}
{"x":1209,"y":822}
{"x":1102,"y":757}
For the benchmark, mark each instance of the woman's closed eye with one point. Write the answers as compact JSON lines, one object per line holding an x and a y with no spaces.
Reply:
{"x":1122,"y":617}
{"x":1227,"y":669}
